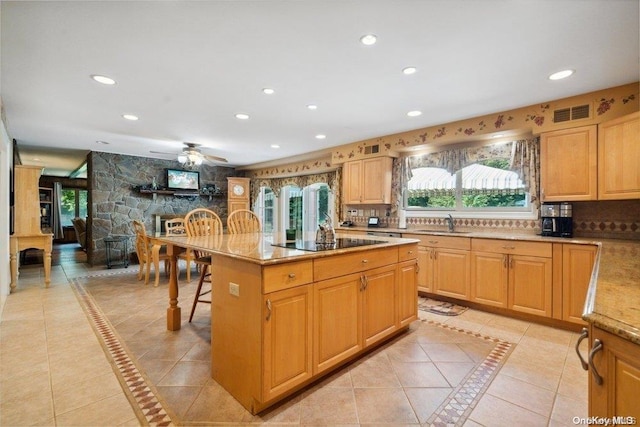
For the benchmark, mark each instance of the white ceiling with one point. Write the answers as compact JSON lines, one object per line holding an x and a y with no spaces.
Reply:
{"x":186,"y":67}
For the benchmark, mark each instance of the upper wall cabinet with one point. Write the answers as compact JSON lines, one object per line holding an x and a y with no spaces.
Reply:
{"x":619,"y":158}
{"x":568,"y":165}
{"x":367,"y":181}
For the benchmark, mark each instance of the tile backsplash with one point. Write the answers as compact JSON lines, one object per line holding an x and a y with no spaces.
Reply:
{"x":615,"y":219}
{"x":612,"y":219}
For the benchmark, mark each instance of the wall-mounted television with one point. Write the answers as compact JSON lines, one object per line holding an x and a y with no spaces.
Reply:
{"x":183,"y":180}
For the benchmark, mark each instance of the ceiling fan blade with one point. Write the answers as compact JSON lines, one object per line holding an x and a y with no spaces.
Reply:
{"x":215,"y":158}
{"x":162,"y":152}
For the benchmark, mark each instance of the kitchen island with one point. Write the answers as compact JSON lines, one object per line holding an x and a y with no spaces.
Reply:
{"x":282,"y":317}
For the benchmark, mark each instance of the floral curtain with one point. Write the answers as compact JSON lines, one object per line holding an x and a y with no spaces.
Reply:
{"x":525,"y":160}
{"x":333,"y":179}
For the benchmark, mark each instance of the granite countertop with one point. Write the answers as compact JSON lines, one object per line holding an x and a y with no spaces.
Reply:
{"x":258,"y":247}
{"x":613,"y":300}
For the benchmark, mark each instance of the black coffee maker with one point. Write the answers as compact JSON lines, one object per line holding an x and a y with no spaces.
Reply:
{"x":557,"y":219}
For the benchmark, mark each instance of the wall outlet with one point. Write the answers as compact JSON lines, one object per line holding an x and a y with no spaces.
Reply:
{"x":234,"y":289}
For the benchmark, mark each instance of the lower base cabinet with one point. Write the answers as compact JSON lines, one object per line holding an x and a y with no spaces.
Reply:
{"x":614,"y":378}
{"x":512,"y":274}
{"x":337,"y":322}
{"x":287,"y":343}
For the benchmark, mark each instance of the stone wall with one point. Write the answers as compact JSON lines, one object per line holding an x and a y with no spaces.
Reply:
{"x":114,"y":201}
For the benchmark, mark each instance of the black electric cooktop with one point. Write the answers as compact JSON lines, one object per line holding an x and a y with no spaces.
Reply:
{"x":341,"y":243}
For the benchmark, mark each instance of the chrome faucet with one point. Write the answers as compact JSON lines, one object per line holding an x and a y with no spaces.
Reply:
{"x":450,"y":223}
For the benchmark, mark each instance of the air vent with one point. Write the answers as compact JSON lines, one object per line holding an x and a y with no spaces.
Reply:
{"x":563,"y":115}
{"x":372,"y":149}
{"x":580,"y":112}
{"x":573,"y":113}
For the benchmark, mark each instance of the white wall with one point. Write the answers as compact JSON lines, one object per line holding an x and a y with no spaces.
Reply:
{"x":6,"y":154}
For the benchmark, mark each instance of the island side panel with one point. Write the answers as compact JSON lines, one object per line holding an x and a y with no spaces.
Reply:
{"x":236,"y":337}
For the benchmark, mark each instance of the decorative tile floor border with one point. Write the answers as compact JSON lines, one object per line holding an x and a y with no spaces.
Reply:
{"x":456,"y":409}
{"x":149,"y":409}
{"x":453,"y":411}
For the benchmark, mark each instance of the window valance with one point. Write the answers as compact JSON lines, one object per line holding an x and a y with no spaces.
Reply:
{"x":332,"y":179}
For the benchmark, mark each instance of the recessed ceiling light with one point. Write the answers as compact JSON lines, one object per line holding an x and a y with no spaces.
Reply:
{"x":103,"y":79}
{"x":102,"y":142}
{"x":312,"y":107}
{"x":36,"y":159}
{"x":414,"y":113}
{"x":409,"y":70}
{"x":130,"y":117}
{"x":268,"y":91}
{"x":561,"y":74}
{"x":242,"y":116}
{"x":321,"y":136}
{"x":275,"y":146}
{"x":368,"y":39}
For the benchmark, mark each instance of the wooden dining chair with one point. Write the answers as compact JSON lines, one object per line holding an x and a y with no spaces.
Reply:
{"x":144,"y":252}
{"x":175,"y":227}
{"x":243,"y":221}
{"x":202,"y":222}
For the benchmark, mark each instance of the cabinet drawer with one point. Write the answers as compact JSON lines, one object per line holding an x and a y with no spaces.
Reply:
{"x":340,"y":265}
{"x":514,"y":247}
{"x":407,"y":252}
{"x":437,"y":241}
{"x":284,"y":276}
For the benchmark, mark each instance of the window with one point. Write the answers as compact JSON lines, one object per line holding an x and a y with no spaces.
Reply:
{"x":73,"y":204}
{"x":486,"y":185}
{"x":295,"y":209}
{"x":265,"y":209}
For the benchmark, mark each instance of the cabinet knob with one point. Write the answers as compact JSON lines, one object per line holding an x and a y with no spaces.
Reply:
{"x":433,"y":242}
{"x":364,"y":261}
{"x":292,"y":275}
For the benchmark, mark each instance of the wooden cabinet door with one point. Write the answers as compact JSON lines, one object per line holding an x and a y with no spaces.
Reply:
{"x":379,"y":305}
{"x":577,"y":265}
{"x":619,"y":158}
{"x":618,"y":364}
{"x":451,"y":273}
{"x":352,"y":187}
{"x":376,"y":180}
{"x":337,"y":320}
{"x":407,"y":292}
{"x":489,"y":278}
{"x":568,"y":164}
{"x":425,"y":269}
{"x":287,"y":344}
{"x":530,"y":284}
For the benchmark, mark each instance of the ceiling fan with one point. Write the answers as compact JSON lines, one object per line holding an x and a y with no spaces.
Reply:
{"x":192,"y":156}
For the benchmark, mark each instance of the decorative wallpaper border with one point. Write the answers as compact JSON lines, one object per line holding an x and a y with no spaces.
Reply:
{"x":605,"y":105}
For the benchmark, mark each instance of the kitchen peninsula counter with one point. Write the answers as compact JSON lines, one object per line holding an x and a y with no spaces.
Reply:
{"x":282,"y":318}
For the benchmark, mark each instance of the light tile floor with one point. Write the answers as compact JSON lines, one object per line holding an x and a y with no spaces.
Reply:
{"x":53,"y":370}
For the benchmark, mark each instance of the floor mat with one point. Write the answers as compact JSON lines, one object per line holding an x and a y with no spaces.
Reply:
{"x":440,"y":307}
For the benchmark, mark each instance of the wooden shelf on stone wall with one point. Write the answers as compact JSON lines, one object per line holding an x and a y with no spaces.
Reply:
{"x":205,"y":192}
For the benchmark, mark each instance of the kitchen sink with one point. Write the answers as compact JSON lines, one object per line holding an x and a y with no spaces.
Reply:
{"x":444,"y":231}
